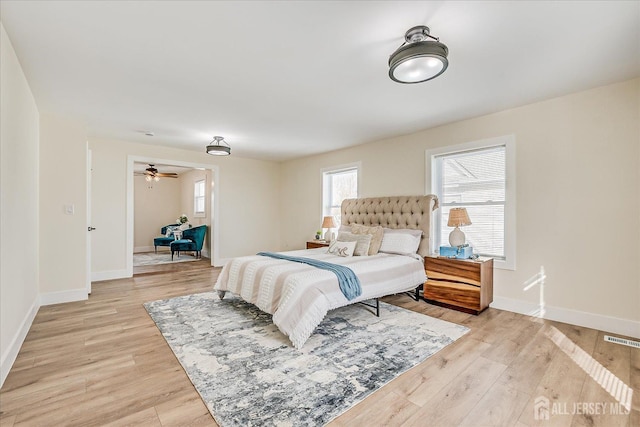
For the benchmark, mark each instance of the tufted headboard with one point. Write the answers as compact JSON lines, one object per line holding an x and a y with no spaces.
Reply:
{"x":393,"y":212}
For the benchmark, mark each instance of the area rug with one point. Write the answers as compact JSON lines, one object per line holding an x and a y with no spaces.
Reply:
{"x":151,"y":258}
{"x":249,"y":374}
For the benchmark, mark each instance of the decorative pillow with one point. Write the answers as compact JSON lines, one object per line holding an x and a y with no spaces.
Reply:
{"x":341,"y":248}
{"x":169,"y":232}
{"x":376,"y":236}
{"x":344,"y":228}
{"x":363,"y":241}
{"x":411,"y":231}
{"x":403,"y":242}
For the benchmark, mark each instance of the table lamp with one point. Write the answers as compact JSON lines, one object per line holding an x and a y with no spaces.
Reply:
{"x":328,"y":222}
{"x":458,"y":217}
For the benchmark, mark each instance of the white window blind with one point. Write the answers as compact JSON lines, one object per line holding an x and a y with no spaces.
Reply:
{"x":338,"y":185}
{"x":475,"y":180}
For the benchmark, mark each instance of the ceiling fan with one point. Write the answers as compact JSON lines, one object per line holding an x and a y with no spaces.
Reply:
{"x":151,"y":173}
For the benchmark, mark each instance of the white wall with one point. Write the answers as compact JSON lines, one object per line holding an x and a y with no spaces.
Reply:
{"x":578,"y":198}
{"x":63,"y":236}
{"x":248,"y":201}
{"x":154,"y":208}
{"x":18,"y":205}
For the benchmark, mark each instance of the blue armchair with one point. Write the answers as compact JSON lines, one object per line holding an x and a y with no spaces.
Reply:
{"x":164,"y":240}
{"x":192,"y":240}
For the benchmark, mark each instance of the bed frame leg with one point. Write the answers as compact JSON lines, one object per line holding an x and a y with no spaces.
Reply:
{"x":221,"y":294}
{"x":418,"y":289}
{"x":377,"y":306}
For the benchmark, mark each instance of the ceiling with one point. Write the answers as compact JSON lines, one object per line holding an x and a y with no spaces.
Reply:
{"x":284,"y":79}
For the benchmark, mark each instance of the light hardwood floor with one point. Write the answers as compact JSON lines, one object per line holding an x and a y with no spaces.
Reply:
{"x":104,"y":362}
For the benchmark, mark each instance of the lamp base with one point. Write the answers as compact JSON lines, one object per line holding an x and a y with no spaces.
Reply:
{"x":328,"y":236}
{"x":456,"y":238}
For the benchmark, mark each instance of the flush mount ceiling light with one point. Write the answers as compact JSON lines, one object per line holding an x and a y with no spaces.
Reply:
{"x":418,"y":59}
{"x":215,"y":149}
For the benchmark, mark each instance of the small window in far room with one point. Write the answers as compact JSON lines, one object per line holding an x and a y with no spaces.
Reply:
{"x":338,"y":183}
{"x":199,"y":199}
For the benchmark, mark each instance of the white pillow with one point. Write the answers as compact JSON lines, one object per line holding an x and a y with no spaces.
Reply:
{"x":362,"y":242}
{"x":402,"y":241}
{"x":411,"y":231}
{"x":344,"y":228}
{"x":339,"y":248}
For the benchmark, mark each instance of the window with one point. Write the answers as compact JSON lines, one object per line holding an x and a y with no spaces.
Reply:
{"x":199,"y":199}
{"x":338,"y":184}
{"x":480,"y":177}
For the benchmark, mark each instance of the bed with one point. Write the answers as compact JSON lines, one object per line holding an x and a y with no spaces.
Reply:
{"x":299,"y":295}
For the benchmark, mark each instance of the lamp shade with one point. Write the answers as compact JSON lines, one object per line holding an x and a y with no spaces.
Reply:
{"x":329,"y":222}
{"x":458,"y":217}
{"x":420,"y":59}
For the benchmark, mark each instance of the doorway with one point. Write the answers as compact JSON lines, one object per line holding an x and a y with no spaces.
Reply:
{"x":212,"y":221}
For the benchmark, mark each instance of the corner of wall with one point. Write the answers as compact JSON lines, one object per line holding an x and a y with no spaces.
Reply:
{"x":10,"y":354}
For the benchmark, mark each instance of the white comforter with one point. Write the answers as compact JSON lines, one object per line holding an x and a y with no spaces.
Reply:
{"x":299,"y":296}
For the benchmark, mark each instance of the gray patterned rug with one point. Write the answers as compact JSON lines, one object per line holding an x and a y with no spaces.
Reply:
{"x":249,"y":374}
{"x":162,"y":257}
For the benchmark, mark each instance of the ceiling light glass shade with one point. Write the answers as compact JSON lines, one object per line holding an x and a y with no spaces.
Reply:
{"x":420,"y":59}
{"x":148,"y":178}
{"x":216,"y":149}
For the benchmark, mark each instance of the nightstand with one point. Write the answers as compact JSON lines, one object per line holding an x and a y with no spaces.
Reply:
{"x":462,"y":284}
{"x":312,"y":244}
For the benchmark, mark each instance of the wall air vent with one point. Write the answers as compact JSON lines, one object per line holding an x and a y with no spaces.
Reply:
{"x":622,"y":341}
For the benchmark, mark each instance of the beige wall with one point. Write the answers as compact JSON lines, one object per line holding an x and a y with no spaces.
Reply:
{"x":63,"y":182}
{"x":578,"y":203}
{"x":248,"y":200}
{"x":19,"y":135}
{"x":154,"y":208}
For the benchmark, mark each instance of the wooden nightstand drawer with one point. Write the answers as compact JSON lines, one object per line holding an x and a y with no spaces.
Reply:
{"x":313,"y":244}
{"x":453,"y":294}
{"x":453,"y":269}
{"x":465,"y":285}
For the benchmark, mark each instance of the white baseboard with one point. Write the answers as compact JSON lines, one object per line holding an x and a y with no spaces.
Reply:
{"x":139,"y":249}
{"x":63,"y":296}
{"x":97,"y":276}
{"x":630,"y":328}
{"x":11,"y":353}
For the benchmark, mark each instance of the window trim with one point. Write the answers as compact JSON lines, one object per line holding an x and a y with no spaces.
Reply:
{"x":432,"y":181}
{"x":324,"y":172}
{"x":196,"y":213}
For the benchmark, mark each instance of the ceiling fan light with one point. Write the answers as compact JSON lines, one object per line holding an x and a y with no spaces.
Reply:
{"x":148,"y":178}
{"x":216,"y":149}
{"x":420,"y":59}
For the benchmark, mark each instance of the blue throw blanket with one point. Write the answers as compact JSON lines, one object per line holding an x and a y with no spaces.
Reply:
{"x":347,"y":279}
